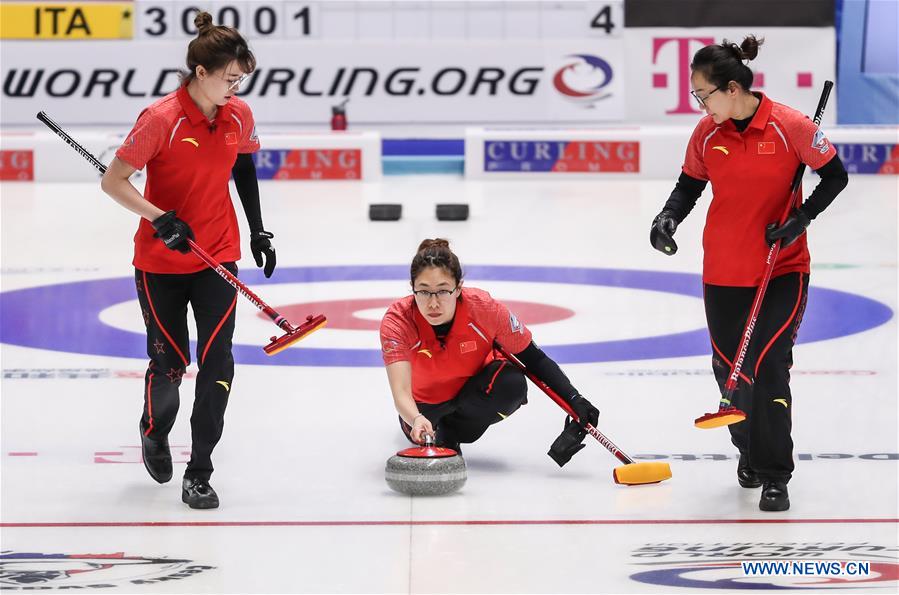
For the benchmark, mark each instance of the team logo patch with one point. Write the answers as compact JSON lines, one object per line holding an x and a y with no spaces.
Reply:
{"x":389,"y":346}
{"x":514,"y":323}
{"x":820,"y":142}
{"x":191,"y":140}
{"x":722,"y":149}
{"x":766,"y":148}
{"x":468,"y":346}
{"x":230,"y":138}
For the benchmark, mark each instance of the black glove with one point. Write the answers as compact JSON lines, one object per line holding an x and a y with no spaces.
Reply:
{"x":260,"y":245}
{"x":792,"y":228}
{"x":585,"y":410}
{"x":173,"y":232}
{"x":662,"y":232}
{"x":569,"y":442}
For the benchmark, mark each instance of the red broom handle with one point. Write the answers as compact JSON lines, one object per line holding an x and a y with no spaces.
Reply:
{"x":239,"y":286}
{"x":600,"y":437}
{"x":732,"y":380}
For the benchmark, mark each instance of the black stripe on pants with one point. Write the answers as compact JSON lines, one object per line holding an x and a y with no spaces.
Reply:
{"x":163,"y":300}
{"x":763,"y":391}
{"x":488,"y":397}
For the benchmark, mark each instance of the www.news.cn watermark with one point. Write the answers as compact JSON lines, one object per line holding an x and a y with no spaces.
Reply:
{"x":806,"y":568}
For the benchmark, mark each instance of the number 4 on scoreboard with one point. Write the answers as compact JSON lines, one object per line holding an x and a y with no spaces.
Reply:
{"x":606,"y":18}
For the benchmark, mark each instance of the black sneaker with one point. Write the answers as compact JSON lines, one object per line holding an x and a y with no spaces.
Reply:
{"x":197,"y":493}
{"x":774,"y":497}
{"x":157,"y":457}
{"x":745,"y":475}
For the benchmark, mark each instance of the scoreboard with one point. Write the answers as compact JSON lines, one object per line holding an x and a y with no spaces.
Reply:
{"x":322,"y":20}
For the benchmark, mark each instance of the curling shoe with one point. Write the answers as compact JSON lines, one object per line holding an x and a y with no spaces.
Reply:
{"x":197,"y":493}
{"x":745,"y":475}
{"x":774,"y":497}
{"x":157,"y":457}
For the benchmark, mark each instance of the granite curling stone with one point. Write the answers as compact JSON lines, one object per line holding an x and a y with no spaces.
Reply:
{"x":426,"y":471}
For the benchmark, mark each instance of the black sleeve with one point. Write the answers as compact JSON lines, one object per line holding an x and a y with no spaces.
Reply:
{"x":244,"y":174}
{"x":833,"y":179}
{"x":684,"y":196}
{"x":545,"y":369}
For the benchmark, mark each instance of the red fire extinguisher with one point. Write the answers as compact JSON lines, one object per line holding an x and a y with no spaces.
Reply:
{"x":338,"y":115}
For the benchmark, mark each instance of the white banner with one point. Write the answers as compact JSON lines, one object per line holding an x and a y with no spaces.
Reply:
{"x":791,"y":68}
{"x":297,"y":82}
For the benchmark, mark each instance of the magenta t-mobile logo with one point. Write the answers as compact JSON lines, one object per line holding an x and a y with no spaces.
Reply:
{"x":685,"y":104}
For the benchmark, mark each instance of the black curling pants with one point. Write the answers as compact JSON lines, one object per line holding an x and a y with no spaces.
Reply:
{"x":763,"y":391}
{"x":488,"y":397}
{"x":163,"y":301}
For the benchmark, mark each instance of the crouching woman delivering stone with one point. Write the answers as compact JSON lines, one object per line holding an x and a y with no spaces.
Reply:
{"x":447,"y":381}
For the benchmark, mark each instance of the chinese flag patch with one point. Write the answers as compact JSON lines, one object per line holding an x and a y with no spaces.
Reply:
{"x":231,"y":139}
{"x":766,"y":148}
{"x":468,"y":346}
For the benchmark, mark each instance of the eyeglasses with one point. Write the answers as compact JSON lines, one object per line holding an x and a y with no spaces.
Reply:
{"x":701,"y":100}
{"x":423,"y":295}
{"x":236,"y":83}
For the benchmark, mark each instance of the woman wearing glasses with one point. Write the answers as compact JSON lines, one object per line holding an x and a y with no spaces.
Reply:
{"x":446,"y":381}
{"x":749,"y":148}
{"x":191,"y":142}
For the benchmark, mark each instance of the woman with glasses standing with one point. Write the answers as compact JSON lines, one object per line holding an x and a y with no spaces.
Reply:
{"x":749,"y":147}
{"x":445,"y":377}
{"x":191,"y":141}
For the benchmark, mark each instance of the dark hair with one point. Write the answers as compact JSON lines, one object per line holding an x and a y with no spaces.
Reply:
{"x":215,"y":47}
{"x":723,"y":63}
{"x":436,"y":253}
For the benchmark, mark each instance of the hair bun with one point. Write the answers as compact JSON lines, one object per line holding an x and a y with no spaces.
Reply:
{"x":750,"y":47}
{"x":435,"y":243}
{"x":203,"y":22}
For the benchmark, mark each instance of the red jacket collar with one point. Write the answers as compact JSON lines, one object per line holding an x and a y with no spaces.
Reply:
{"x":760,"y":118}
{"x":193,"y":112}
{"x":426,"y":329}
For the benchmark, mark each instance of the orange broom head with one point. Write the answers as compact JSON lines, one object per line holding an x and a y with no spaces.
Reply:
{"x":722,"y":417}
{"x":636,"y":474}
{"x":301,"y":332}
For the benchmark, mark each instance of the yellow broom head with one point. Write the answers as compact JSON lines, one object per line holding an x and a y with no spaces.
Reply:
{"x":280,"y":344}
{"x":722,"y":417}
{"x":636,"y":474}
